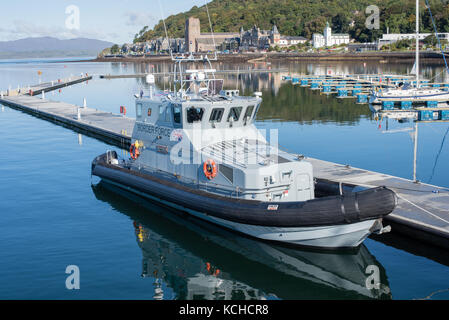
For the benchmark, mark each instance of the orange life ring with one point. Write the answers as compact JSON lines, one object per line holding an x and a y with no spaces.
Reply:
{"x":210,"y":169}
{"x":134,"y":152}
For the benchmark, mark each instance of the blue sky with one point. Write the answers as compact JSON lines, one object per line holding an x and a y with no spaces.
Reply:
{"x":115,"y":21}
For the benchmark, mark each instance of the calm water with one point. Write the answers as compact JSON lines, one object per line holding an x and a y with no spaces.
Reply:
{"x":128,"y":248}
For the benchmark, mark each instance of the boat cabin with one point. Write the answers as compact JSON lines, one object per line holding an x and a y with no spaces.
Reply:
{"x":245,"y":165}
{"x":227,"y":110}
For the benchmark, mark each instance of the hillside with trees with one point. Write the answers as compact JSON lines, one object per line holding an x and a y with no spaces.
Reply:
{"x":305,"y":17}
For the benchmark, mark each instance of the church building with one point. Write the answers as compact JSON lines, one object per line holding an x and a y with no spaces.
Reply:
{"x":329,"y":39}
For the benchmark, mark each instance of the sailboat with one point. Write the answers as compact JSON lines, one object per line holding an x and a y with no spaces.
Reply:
{"x":407,"y":92}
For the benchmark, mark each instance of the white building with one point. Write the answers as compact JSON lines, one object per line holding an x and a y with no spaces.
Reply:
{"x":292,"y":40}
{"x":318,"y":40}
{"x":394,"y":37}
{"x":329,"y":39}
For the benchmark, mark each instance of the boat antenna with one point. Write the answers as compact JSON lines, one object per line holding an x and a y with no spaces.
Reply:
{"x":165,"y":28}
{"x":211,"y":29}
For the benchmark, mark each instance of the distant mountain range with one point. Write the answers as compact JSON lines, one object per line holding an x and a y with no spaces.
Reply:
{"x":48,"y":47}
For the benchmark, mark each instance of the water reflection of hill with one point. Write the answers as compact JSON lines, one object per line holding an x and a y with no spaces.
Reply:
{"x":281,"y":100}
{"x":294,"y":103}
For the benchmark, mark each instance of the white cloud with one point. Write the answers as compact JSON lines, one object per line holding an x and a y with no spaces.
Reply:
{"x":139,"y":19}
{"x":24,"y":29}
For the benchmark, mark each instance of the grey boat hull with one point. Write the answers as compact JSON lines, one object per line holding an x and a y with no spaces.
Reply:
{"x":332,"y":222}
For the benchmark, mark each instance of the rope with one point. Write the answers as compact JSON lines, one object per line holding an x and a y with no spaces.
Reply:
{"x":165,"y":28}
{"x":211,"y":29}
{"x":422,"y":191}
{"x":421,"y":208}
{"x":401,"y":197}
{"x":436,"y":33}
{"x":410,"y":202}
{"x":446,"y":190}
{"x":438,"y":155}
{"x":406,"y":200}
{"x":435,"y":76}
{"x":434,"y":293}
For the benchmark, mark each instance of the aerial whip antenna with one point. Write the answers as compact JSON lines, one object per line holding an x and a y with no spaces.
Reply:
{"x":165,"y":28}
{"x":211,"y":29}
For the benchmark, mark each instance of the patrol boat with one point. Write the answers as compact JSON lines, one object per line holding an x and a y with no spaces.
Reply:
{"x":196,"y":149}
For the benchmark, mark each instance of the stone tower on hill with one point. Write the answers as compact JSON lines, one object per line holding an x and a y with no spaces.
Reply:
{"x":192,"y":32}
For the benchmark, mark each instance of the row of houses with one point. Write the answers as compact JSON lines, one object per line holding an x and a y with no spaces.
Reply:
{"x":195,"y":41}
{"x":158,"y":45}
{"x":390,"y":38}
{"x":255,"y":39}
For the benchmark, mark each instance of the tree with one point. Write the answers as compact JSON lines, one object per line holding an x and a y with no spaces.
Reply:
{"x":115,"y":49}
{"x":341,"y":23}
{"x":430,"y":40}
{"x":303,"y":18}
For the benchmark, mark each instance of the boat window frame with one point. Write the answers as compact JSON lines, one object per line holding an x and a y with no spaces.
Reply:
{"x":177,"y":124}
{"x":161,"y":114}
{"x":247,"y":117}
{"x":202,"y":113}
{"x":165,"y":117}
{"x":168,"y":114}
{"x":139,"y":108}
{"x":230,"y":114}
{"x":257,"y":110}
{"x":221,"y":115}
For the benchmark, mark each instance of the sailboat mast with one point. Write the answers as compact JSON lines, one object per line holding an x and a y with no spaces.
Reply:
{"x":417,"y":43}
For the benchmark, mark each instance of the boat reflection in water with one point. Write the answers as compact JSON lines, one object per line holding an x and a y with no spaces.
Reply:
{"x":198,"y":260}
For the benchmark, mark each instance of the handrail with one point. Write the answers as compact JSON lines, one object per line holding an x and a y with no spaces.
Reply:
{"x":237,"y":190}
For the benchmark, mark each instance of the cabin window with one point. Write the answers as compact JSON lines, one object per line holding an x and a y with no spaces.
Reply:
{"x":167,"y":114}
{"x":139,"y":110}
{"x":248,"y":113}
{"x":194,"y":114}
{"x":216,"y":115}
{"x":257,"y":109}
{"x":235,"y":114}
{"x":177,"y":114}
{"x":149,"y":112}
{"x":161,"y":112}
{"x":227,"y":172}
{"x":164,"y":114}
